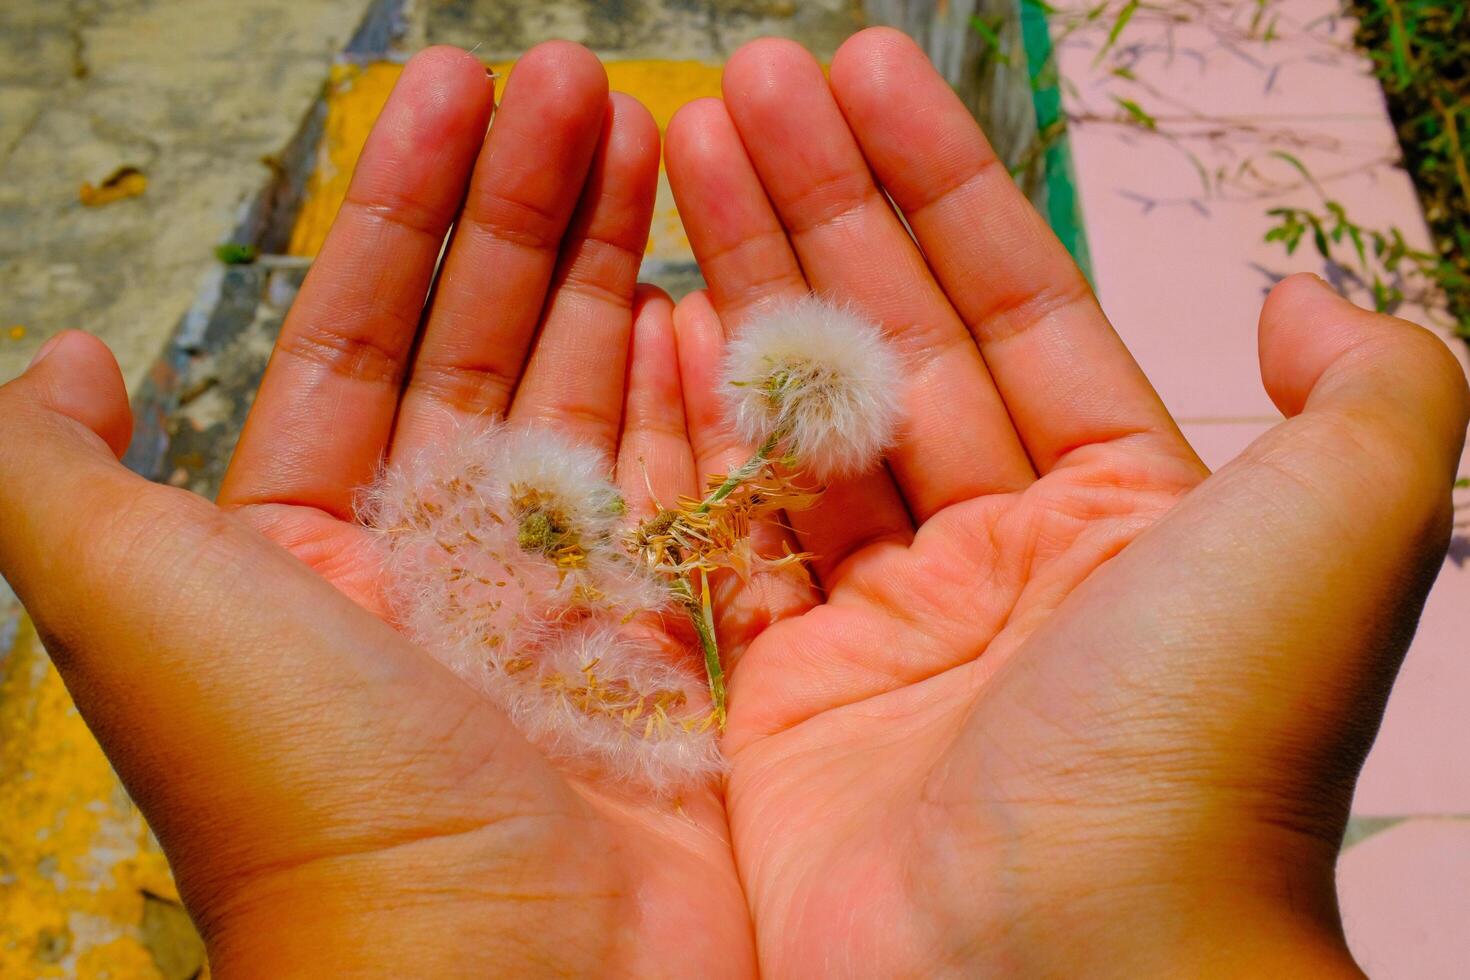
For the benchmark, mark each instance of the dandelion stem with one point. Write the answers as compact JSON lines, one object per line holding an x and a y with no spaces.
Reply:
{"x":701,"y":614}
{"x":701,"y":610}
{"x":748,"y":469}
{"x":705,"y":626}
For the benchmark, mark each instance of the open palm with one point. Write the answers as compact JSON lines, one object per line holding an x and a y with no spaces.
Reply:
{"x":1044,"y":674}
{"x":533,"y":318}
{"x":992,"y":739}
{"x":297,"y":758}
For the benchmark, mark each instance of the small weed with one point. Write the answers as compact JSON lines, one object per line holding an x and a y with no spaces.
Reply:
{"x":1421,"y":55}
{"x":1420,"y":52}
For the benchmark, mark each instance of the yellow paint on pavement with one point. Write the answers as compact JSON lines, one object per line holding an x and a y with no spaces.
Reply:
{"x":77,"y":864}
{"x":356,"y":95}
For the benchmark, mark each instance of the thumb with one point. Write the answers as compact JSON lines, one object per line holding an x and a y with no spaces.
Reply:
{"x":71,"y":406}
{"x":74,"y":376}
{"x":1241,"y":650}
{"x":257,"y":715}
{"x":1319,"y":351}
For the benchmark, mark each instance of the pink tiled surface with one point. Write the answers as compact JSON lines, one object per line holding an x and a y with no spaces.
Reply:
{"x":1182,"y":270}
{"x":1421,"y":761}
{"x":1217,"y":443}
{"x":1404,"y":894}
{"x":1184,"y":278}
{"x":1211,"y":66}
{"x":1176,"y":217}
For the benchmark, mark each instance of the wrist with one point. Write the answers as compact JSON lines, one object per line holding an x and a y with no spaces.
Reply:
{"x":1233,"y":912}
{"x":1147,"y":897}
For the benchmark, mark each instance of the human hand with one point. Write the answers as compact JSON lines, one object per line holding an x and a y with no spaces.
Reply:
{"x":316,"y":768}
{"x":328,"y":795}
{"x":1065,"y":704}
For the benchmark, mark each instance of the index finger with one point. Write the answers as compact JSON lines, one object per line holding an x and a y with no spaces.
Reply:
{"x":326,"y":405}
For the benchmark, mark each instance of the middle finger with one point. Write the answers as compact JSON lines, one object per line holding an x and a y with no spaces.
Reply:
{"x":492,"y":285}
{"x":574,"y":379}
{"x":958,"y":442}
{"x":749,"y":265}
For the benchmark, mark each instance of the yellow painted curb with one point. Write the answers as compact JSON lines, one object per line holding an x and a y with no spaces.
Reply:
{"x":82,"y":882}
{"x":356,"y":95}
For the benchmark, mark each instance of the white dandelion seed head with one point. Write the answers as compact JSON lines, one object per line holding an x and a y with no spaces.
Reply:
{"x":611,"y":705}
{"x":493,"y":536}
{"x":822,"y":378}
{"x":504,"y":557}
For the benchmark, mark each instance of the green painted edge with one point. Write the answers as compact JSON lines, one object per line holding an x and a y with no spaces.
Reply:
{"x":1063,"y":207}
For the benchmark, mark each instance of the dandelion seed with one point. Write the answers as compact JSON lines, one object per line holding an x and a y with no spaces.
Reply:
{"x":495,"y":505}
{"x":602,"y":702}
{"x":506,"y":559}
{"x":819,"y":381}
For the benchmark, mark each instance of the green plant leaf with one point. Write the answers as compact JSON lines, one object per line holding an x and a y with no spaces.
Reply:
{"x":1298,"y":166}
{"x":233,"y":253}
{"x":1398,"y":45}
{"x":1137,"y":113}
{"x":1319,"y":236}
{"x":1124,"y":16}
{"x":1355,"y":234}
{"x":989,"y":34}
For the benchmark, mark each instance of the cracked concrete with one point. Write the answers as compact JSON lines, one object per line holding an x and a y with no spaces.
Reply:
{"x":199,"y":94}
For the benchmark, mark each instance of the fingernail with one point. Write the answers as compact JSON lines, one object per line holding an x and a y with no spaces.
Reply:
{"x":46,"y":349}
{"x":1324,"y":286}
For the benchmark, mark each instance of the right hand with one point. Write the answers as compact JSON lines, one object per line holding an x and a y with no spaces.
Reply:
{"x":1065,"y":704}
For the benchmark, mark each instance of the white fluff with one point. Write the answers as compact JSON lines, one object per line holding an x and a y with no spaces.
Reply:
{"x":608,"y":704}
{"x":821,"y":377}
{"x":472,"y":531}
{"x":460,"y":579}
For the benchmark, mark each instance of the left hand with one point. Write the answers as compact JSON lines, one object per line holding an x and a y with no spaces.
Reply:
{"x":330,"y":798}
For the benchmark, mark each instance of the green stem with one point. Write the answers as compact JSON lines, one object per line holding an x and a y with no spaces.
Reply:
{"x":748,"y":469}
{"x":701,"y":614}
{"x":1452,"y":130}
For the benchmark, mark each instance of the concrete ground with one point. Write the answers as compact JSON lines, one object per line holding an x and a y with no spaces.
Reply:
{"x":203,"y":96}
{"x":220,"y":105}
{"x":200,"y":95}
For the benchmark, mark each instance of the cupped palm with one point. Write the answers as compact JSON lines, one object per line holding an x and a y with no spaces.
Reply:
{"x":1042,"y":676}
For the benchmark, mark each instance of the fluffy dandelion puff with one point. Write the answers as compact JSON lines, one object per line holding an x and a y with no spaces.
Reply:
{"x":612,"y":705}
{"x":821,"y":381}
{"x":504,"y":557}
{"x":498,"y":533}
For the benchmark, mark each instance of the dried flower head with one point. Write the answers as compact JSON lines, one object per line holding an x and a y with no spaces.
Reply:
{"x":715,"y":533}
{"x":497,"y":534}
{"x":820,"y":381}
{"x":609,"y":704}
{"x":506,"y":558}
